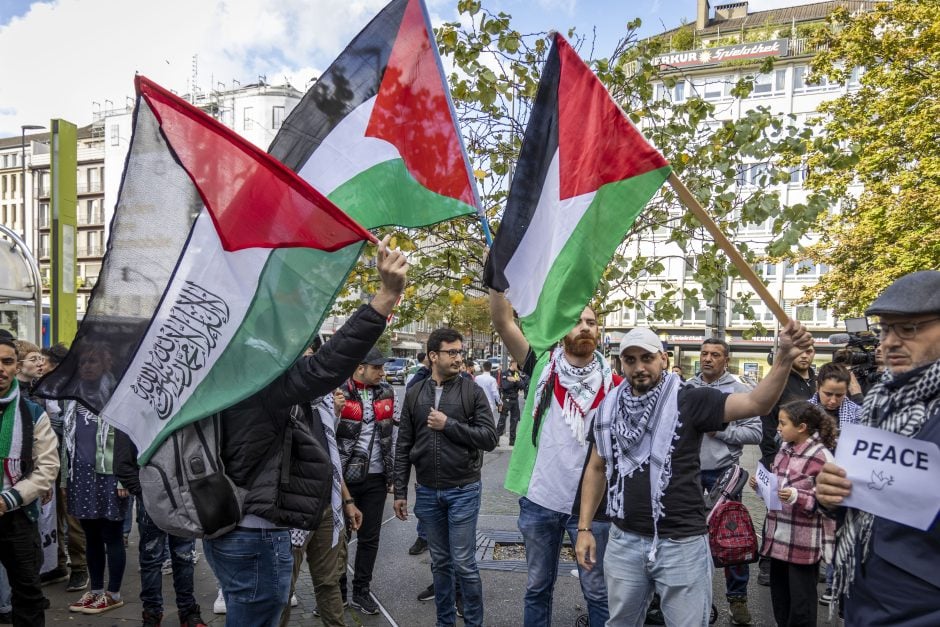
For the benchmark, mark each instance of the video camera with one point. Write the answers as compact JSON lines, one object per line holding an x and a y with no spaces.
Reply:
{"x":859,"y":352}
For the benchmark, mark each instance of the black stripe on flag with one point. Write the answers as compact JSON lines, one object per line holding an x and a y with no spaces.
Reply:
{"x":354,"y":77}
{"x":538,"y":148}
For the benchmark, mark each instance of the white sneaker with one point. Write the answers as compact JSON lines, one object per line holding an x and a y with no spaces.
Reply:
{"x":219,"y":606}
{"x":293,"y":600}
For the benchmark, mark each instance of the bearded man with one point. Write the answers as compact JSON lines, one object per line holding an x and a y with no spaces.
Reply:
{"x":550,"y":451}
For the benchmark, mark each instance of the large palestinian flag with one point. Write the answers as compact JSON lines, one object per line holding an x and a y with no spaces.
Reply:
{"x":584,"y":174}
{"x":377,"y":132}
{"x":205,"y":293}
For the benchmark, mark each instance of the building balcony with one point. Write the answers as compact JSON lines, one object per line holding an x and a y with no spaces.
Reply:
{"x":96,"y":218}
{"x":90,"y":188}
{"x":89,"y":251}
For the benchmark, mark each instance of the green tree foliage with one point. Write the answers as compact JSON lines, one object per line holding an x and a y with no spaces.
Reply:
{"x":882,"y":138}
{"x":496,"y":70}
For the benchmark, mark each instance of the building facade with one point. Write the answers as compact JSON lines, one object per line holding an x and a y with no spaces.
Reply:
{"x":724,"y":40}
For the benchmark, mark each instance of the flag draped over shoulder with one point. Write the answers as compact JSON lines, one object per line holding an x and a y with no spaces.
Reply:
{"x":377,"y":133}
{"x":206,"y":292}
{"x":584,"y":174}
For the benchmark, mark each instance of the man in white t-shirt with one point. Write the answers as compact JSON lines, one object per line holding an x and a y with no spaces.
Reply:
{"x":486,"y":381}
{"x":567,"y":385}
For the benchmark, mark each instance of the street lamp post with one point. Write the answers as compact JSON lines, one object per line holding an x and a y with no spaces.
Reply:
{"x":23,"y":129}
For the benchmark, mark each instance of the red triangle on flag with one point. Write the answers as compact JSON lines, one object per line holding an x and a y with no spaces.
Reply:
{"x":412,"y":112}
{"x":597,"y":143}
{"x":254,"y":200}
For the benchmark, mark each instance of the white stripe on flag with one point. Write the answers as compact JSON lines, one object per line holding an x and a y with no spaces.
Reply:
{"x":191,"y":329}
{"x":346,"y":152}
{"x":552,"y":224}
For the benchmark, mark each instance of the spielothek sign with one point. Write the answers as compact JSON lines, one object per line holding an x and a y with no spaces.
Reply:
{"x":709,"y":56}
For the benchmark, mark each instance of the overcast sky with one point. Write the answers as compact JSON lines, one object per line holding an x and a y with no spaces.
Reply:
{"x":61,"y":57}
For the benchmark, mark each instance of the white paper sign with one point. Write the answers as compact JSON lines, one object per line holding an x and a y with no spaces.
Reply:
{"x":767,"y":487}
{"x":892,"y":476}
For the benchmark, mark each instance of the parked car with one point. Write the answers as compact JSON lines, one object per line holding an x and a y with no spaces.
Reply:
{"x":396,"y":370}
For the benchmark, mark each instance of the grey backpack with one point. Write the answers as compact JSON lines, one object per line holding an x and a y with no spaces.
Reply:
{"x":185,"y":489}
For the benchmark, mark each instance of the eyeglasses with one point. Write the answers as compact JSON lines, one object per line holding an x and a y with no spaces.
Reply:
{"x":904,"y":330}
{"x":453,"y":353}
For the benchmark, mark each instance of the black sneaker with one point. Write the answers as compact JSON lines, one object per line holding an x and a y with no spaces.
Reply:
{"x":419,"y":547}
{"x":6,"y":618}
{"x":78,"y":580}
{"x":364,"y":602}
{"x":458,"y":607}
{"x":56,"y":575}
{"x":427,"y":594}
{"x":193,"y":618}
{"x":151,"y":620}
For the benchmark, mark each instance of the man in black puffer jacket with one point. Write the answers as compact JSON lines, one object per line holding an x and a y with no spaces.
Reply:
{"x":274,"y":448}
{"x":446,"y":424}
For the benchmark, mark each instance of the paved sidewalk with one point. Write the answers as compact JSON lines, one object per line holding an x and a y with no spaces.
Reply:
{"x":399,"y":577}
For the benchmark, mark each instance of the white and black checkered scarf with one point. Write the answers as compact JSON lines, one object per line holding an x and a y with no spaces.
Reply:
{"x":899,"y":404}
{"x":631,"y":431}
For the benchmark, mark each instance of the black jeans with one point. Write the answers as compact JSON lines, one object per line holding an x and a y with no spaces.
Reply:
{"x":21,"y":555}
{"x":370,"y":498}
{"x":793,"y":593}
{"x":510,"y":408}
{"x":104,"y":540}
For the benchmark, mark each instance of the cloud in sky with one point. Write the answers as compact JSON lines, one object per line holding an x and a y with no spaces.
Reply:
{"x":69,"y":53}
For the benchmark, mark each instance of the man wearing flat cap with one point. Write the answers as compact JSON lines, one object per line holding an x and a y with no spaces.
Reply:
{"x":364,"y":435}
{"x":889,"y":572}
{"x":645,"y":457}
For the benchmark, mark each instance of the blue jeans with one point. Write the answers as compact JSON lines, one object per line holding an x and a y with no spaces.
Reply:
{"x":254,"y":568}
{"x":152,"y":539}
{"x":543,"y":531}
{"x":449,"y":516}
{"x":681,"y":574}
{"x":737,"y":576}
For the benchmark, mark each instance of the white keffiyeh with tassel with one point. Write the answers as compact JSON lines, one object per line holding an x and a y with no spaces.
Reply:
{"x":581,"y":385}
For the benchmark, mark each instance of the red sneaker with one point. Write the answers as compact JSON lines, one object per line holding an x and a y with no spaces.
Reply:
{"x":87,"y":599}
{"x":103,"y":603}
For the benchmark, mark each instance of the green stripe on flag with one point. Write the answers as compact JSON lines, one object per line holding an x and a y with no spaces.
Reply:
{"x":387,"y":194}
{"x":294,"y":294}
{"x":523,"y":453}
{"x":577,"y":269}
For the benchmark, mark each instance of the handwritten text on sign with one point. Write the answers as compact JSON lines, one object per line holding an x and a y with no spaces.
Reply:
{"x":892,"y":476}
{"x":767,"y":487}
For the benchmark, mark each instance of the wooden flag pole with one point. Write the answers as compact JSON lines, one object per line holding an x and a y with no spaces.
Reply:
{"x":733,"y":253}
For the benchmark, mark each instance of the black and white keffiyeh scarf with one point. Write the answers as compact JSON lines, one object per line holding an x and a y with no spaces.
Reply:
{"x":631,"y":431}
{"x":581,"y":385}
{"x":324,"y":410}
{"x":899,"y":404}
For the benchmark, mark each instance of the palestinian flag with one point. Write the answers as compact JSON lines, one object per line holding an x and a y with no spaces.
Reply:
{"x":377,"y":133}
{"x":584,"y":174}
{"x":207,"y":291}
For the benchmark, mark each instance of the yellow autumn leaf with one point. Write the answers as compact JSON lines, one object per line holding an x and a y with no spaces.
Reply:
{"x":479,"y":174}
{"x":456,"y":297}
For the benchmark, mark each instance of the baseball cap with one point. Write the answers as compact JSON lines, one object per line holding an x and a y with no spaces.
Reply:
{"x":641,"y":338}
{"x":375,"y":358}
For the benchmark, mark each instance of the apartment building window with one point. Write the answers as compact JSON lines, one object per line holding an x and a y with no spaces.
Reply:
{"x":753,"y":174}
{"x":802,"y":86}
{"x":805,"y":270}
{"x":761,"y":313}
{"x":711,"y":88}
{"x":798,"y":174}
{"x":115,"y":134}
{"x":44,"y":218}
{"x":247,"y":121}
{"x":277,"y":117}
{"x":43,"y":244}
{"x":94,"y":180}
{"x":769,"y":84}
{"x":690,"y":314}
